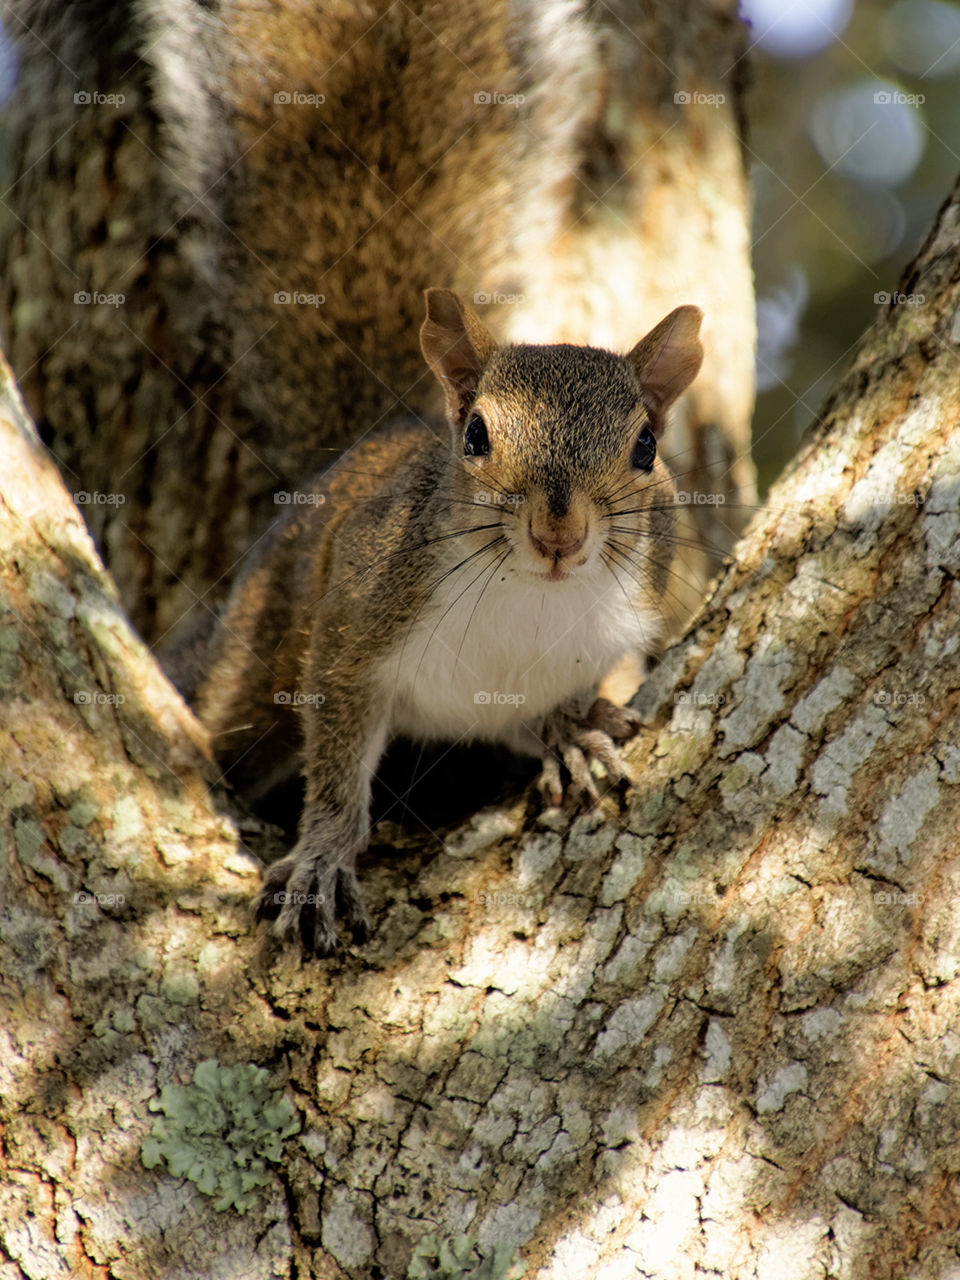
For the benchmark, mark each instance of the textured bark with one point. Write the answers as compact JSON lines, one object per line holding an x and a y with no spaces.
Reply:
{"x":711,"y":1032}
{"x":599,"y":202}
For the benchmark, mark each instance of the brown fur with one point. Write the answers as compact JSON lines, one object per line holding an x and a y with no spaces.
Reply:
{"x":336,"y":588}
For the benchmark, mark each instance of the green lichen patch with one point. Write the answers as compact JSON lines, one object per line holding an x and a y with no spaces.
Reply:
{"x":462,"y":1259}
{"x":219,"y":1132}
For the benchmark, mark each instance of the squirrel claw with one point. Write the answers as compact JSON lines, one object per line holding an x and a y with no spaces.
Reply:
{"x":549,"y":783}
{"x":578,"y":742}
{"x":268,"y":901}
{"x":615,"y":722}
{"x":576,"y":756}
{"x":350,"y":906}
{"x":303,"y":899}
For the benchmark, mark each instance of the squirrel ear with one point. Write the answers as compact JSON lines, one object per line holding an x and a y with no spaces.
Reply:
{"x":668,"y":359}
{"x":457,"y":347}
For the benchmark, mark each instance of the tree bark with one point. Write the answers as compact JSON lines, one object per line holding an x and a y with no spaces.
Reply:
{"x":223,"y":156}
{"x":710,"y":1031}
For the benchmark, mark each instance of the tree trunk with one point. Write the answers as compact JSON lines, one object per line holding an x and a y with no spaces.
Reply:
{"x":221,"y":157}
{"x":711,"y":1031}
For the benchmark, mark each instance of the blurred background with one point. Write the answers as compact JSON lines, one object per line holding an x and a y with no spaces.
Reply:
{"x":854,"y":142}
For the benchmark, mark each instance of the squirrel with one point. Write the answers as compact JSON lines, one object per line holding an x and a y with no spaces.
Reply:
{"x":469,"y":588}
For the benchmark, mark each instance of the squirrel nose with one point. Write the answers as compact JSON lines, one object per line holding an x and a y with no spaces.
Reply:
{"x":558,"y":547}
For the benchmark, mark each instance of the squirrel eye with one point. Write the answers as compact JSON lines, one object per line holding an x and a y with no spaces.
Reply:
{"x":476,"y":442}
{"x":644,"y":451}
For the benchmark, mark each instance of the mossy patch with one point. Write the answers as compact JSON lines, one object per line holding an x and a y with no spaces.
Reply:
{"x":220,"y":1131}
{"x":462,"y":1259}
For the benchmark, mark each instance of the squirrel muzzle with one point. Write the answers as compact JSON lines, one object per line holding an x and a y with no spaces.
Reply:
{"x":558,"y":542}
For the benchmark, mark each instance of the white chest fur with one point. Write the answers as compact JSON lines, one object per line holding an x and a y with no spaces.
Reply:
{"x":476,"y":664}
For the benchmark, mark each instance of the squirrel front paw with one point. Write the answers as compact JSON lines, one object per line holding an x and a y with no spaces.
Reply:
{"x":304,"y":894}
{"x":577,"y":741}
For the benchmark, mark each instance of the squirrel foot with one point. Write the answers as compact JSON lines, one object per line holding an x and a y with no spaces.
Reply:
{"x":303,"y":895}
{"x":577,"y":741}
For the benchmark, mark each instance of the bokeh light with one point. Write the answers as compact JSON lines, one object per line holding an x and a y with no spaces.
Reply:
{"x":778,"y":327}
{"x":922,"y":37}
{"x":797,"y":29}
{"x":870,"y":131}
{"x":8,"y":67}
{"x":852,"y":147}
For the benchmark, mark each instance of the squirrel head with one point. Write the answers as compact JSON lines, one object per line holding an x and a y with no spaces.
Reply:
{"x":566,"y":435}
